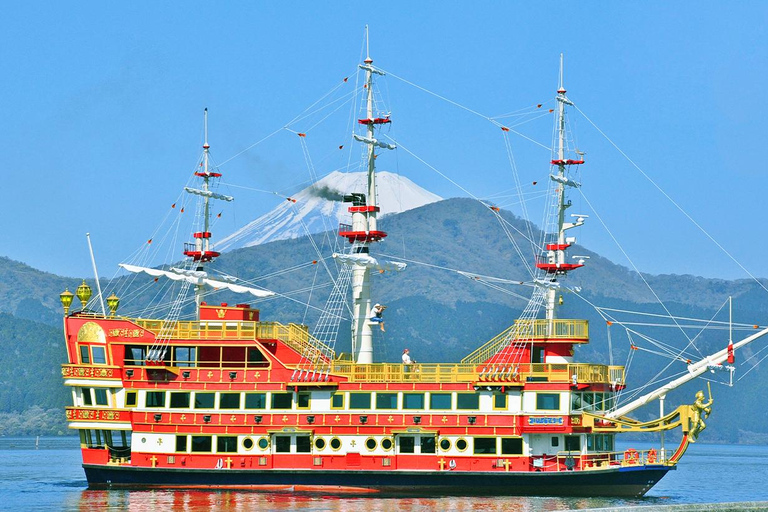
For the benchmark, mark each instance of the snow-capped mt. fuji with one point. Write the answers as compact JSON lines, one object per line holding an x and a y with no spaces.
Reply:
{"x":314,"y":210}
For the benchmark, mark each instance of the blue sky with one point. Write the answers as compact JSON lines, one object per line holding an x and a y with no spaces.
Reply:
{"x":102,"y":114}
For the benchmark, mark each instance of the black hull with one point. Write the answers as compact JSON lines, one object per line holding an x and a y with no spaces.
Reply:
{"x":617,"y":482}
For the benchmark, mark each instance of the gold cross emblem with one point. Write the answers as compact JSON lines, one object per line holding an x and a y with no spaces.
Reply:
{"x":444,"y":420}
{"x":233,"y":418}
{"x":390,"y":419}
{"x":159,"y":440}
{"x":337,"y":418}
{"x":285,"y":418}
{"x":353,"y":443}
{"x":210,"y":374}
{"x":442,"y":464}
{"x":183,"y":417}
{"x":154,"y":461}
{"x":257,"y":375}
{"x":229,"y":463}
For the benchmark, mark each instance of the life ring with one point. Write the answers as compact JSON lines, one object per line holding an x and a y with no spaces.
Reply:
{"x":651,"y":458}
{"x":631,"y":456}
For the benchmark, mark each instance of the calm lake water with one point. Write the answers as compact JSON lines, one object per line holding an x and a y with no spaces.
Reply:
{"x":50,"y":478}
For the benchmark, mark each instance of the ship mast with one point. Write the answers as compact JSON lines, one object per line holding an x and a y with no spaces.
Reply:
{"x":554,"y":262}
{"x":364,"y":229}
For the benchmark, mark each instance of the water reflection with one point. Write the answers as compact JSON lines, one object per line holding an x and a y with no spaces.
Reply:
{"x":244,"y":501}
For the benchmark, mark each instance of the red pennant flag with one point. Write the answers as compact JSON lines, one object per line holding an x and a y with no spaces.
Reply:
{"x":346,"y":78}
{"x":731,"y":356}
{"x":219,"y":215}
{"x":173,"y":205}
{"x":157,"y":279}
{"x":538,"y":106}
{"x":551,"y":110}
{"x":504,"y":129}
{"x":314,"y":262}
{"x":301,"y":134}
{"x":535,"y":182}
{"x":149,"y":241}
{"x":182,"y":210}
{"x":341,"y":147}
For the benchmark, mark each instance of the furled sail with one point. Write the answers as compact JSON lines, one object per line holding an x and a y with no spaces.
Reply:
{"x":197,"y":278}
{"x":366,"y":260}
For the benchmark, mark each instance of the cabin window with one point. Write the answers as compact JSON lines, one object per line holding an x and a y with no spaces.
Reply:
{"x":600,"y":442}
{"x":427,"y":444}
{"x":130,"y":398}
{"x":572,"y":444}
{"x":226,"y":444}
{"x":511,"y":445}
{"x":99,"y":355}
{"x":577,"y":402}
{"x":282,"y":444}
{"x":440,"y":401}
{"x":500,"y":401}
{"x":319,"y":443}
{"x":461,"y":444}
{"x":407,"y":444}
{"x":85,"y":356}
{"x":370,"y":444}
{"x":303,"y":444}
{"x":248,"y":443}
{"x":538,"y":355}
{"x":255,"y":357}
{"x":155,"y":398}
{"x":100,"y":394}
{"x":255,"y":400}
{"x":229,"y":401}
{"x":180,"y":400}
{"x":548,"y":401}
{"x":184,"y":356}
{"x":87,"y":399}
{"x":445,"y":444}
{"x":134,"y":355}
{"x":467,"y":401}
{"x":335,"y":443}
{"x":263,"y":443}
{"x":485,"y":445}
{"x":302,"y":400}
{"x":555,"y":441}
{"x":209,"y":357}
{"x":205,"y":400}
{"x":201,"y":444}
{"x":413,"y":400}
{"x":386,"y":444}
{"x":282,"y":400}
{"x":337,"y":401}
{"x":589,"y":400}
{"x":181,"y":443}
{"x":386,"y":400}
{"x":359,"y":400}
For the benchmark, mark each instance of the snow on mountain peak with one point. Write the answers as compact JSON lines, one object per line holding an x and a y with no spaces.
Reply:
{"x":315,"y":210}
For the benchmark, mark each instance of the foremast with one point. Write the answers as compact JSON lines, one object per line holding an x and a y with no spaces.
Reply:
{"x":201,"y":250}
{"x":554,"y":261}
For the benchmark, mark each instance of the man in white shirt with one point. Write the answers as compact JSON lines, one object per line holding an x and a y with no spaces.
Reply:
{"x":406,"y":357}
{"x":376,"y":317}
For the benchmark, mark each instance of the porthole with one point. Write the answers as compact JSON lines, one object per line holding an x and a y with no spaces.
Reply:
{"x":319,"y":443}
{"x":445,"y":444}
{"x":263,"y":443}
{"x":370,"y":443}
{"x":248,"y":443}
{"x":335,"y":443}
{"x":461,"y":445}
{"x":386,"y":444}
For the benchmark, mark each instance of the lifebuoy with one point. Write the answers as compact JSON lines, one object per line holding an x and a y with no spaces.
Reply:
{"x":651,"y":456}
{"x":631,"y":456}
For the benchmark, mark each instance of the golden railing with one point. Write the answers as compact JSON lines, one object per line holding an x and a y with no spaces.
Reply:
{"x":531,"y":330}
{"x":507,"y":374}
{"x":294,"y":335}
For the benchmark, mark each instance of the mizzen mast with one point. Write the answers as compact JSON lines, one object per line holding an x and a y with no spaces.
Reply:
{"x":554,"y":262}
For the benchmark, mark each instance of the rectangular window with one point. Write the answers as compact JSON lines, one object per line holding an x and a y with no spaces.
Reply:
{"x":134,"y":356}
{"x":204,"y":400}
{"x":181,"y":443}
{"x":386,"y":400}
{"x":255,"y":400}
{"x":500,"y":401}
{"x":303,"y":444}
{"x":100,"y":395}
{"x":485,"y":445}
{"x":608,"y":442}
{"x":185,"y":356}
{"x":589,"y":399}
{"x":255,"y":357}
{"x":572,"y":444}
{"x":511,"y":445}
{"x":302,"y":400}
{"x":427,"y":444}
{"x":226,"y":444}
{"x":467,"y":401}
{"x":155,"y":398}
{"x":180,"y":400}
{"x":555,"y":441}
{"x":413,"y":400}
{"x":201,"y":444}
{"x":99,"y":355}
{"x":548,"y":401}
{"x":87,"y":400}
{"x":229,"y":401}
{"x":130,"y":398}
{"x":337,"y":401}
{"x":439,"y":400}
{"x":407,"y":444}
{"x":282,"y":400}
{"x":359,"y":400}
{"x":85,"y":356}
{"x":577,"y":403}
{"x":283,"y":444}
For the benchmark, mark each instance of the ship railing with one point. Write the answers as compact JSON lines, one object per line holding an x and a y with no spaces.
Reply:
{"x":294,"y":335}
{"x":606,"y":460}
{"x":508,"y":374}
{"x":536,"y":330}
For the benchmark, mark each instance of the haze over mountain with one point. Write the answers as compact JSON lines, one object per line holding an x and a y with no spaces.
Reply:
{"x":437,"y":313}
{"x":318,"y":207}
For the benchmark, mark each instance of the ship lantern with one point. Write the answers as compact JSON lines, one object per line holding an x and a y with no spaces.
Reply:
{"x":83,"y":293}
{"x":113,"y":301}
{"x":66,"y":300}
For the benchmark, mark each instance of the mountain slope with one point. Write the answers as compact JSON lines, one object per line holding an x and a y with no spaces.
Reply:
{"x":319,"y":208}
